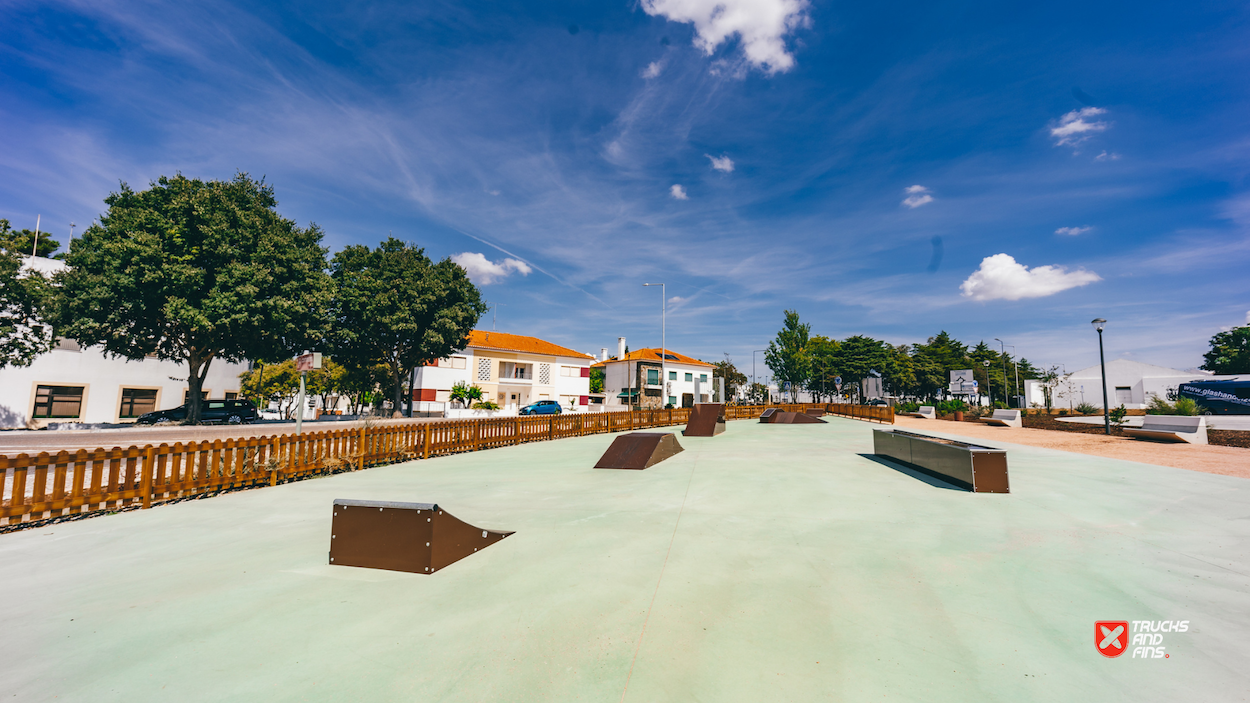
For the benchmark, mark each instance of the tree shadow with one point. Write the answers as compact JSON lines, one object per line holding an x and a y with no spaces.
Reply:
{"x":914,"y":473}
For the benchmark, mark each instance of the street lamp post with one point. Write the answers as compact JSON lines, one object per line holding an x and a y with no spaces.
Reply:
{"x":989,"y":387}
{"x":1003,"y":355}
{"x":663,"y":340}
{"x":753,"y":381}
{"x":1098,"y":324}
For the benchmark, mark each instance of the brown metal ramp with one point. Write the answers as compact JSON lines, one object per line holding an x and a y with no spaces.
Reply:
{"x":706,"y":420}
{"x":785,"y":418}
{"x":639,"y":450}
{"x":420,"y":538}
{"x":766,"y":417}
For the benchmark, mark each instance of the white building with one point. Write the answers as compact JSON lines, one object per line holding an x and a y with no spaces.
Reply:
{"x":1129,"y":383}
{"x":76,"y":384}
{"x":512,"y":370}
{"x":637,"y":379}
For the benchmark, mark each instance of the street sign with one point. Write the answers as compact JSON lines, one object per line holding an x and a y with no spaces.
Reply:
{"x":308,"y":362}
{"x":962,"y":382}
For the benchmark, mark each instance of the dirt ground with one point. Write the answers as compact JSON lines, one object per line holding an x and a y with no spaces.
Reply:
{"x":1212,"y":459}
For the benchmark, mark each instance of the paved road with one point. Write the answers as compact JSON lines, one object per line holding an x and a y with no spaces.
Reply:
{"x":17,"y":442}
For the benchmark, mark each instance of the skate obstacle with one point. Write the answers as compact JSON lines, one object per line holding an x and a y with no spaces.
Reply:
{"x":969,"y":466}
{"x":419,"y":538}
{"x":785,"y":418}
{"x":706,"y":420}
{"x":639,"y":450}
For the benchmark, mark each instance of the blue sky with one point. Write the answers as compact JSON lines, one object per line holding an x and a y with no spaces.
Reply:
{"x":890,"y":170}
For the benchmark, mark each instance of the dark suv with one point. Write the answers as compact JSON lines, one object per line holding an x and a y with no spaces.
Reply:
{"x":226,"y":412}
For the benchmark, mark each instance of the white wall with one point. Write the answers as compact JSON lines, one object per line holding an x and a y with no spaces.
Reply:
{"x":103,"y":379}
{"x":618,"y":376}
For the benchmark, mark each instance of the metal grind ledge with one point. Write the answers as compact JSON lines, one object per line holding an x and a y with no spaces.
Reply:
{"x":419,"y":538}
{"x":970,"y":466}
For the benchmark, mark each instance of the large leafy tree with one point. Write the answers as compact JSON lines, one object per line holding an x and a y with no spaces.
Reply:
{"x":899,"y":373}
{"x":23,"y":295}
{"x":1230,"y":352}
{"x":822,"y":357}
{"x":194,"y":271}
{"x":787,"y":354}
{"x":395,"y":306}
{"x":857,"y":356}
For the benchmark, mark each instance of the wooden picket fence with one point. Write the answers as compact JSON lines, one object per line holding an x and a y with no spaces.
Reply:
{"x":54,"y":485}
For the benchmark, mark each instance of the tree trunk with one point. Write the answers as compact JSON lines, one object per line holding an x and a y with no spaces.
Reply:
{"x":398,"y":375}
{"x":197,"y":369}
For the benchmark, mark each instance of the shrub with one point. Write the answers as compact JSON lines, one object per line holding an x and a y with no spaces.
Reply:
{"x":486,"y":405}
{"x":1086,"y":409}
{"x":1188,"y":406}
{"x":1159,"y":406}
{"x":1117,"y":415}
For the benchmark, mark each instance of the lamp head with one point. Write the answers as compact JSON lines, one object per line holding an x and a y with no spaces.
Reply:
{"x":1098,"y":323}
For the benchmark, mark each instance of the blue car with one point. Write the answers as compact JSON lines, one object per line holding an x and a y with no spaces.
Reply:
{"x":542,"y":407}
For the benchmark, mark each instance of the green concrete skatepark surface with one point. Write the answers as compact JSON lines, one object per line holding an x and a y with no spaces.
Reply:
{"x":770,"y":563}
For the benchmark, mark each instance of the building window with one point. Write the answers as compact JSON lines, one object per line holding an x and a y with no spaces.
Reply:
{"x":483,"y":369}
{"x":689,"y":377}
{"x":544,"y":374}
{"x":513,"y":370}
{"x":186,"y":396}
{"x":672,"y":400}
{"x":653,"y":377}
{"x":672,"y":376}
{"x":232,"y":395}
{"x":63,"y":344}
{"x":58,"y":401}
{"x":136,"y":401}
{"x":702,"y":378}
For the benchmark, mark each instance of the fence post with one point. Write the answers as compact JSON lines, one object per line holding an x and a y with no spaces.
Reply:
{"x":145,"y":483}
{"x":275,"y":458}
{"x":551,"y":427}
{"x":429,"y":432}
{"x":516,"y":431}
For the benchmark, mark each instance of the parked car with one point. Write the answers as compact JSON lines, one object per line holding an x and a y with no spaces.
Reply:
{"x":875,"y":401}
{"x":226,"y":412}
{"x":542,"y":407}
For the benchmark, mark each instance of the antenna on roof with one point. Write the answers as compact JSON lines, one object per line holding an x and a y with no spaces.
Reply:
{"x":494,"y":315}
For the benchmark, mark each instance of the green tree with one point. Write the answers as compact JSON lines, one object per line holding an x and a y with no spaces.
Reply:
{"x":361,"y":382}
{"x":1230,"y":352}
{"x":325,"y":382}
{"x":596,"y":380}
{"x":271,"y":382}
{"x":465,"y":394}
{"x":393,"y":305}
{"x":822,"y":357}
{"x":899,"y":373}
{"x":193,"y":271}
{"x":857,"y":356}
{"x":24,"y":241}
{"x":23,"y":297}
{"x":734,"y":379}
{"x":787,"y":354}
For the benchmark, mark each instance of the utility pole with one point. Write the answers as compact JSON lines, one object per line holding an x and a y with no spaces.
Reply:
{"x":1003,"y":355}
{"x":753,"y":381}
{"x":1098,"y":324}
{"x":34,"y":250}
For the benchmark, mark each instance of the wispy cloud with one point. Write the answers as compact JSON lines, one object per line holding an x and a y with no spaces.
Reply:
{"x":483,"y":271}
{"x":1107,"y":156}
{"x":678,"y":192}
{"x":1001,"y":278}
{"x":1078,"y":126}
{"x":721,"y":163}
{"x":761,"y":25}
{"x":917,"y":196}
{"x":653,"y":69}
{"x":1073,"y":231}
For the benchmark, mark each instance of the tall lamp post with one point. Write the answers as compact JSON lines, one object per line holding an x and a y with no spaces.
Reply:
{"x":1098,"y":324}
{"x":753,"y":381}
{"x":1003,"y":355}
{"x":663,"y":340}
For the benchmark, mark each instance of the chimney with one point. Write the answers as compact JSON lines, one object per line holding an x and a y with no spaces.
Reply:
{"x":603,"y":354}
{"x":620,"y":347}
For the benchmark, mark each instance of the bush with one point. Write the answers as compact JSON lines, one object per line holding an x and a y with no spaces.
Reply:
{"x":1159,"y":406}
{"x":486,"y":405}
{"x":907,"y":407}
{"x":1086,"y":409}
{"x":1188,"y":406}
{"x":1117,"y":415}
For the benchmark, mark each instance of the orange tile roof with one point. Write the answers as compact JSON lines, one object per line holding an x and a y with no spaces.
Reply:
{"x":654,"y":355}
{"x":520,"y":343}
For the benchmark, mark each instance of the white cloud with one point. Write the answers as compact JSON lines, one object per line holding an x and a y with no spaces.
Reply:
{"x":1001,"y":278}
{"x":761,"y":25}
{"x":917,"y":196}
{"x":678,"y":192}
{"x":483,"y":271}
{"x":652,"y":70}
{"x":1075,"y":127}
{"x":1105,"y":156}
{"x":722,"y":163}
{"x":1073,"y":230}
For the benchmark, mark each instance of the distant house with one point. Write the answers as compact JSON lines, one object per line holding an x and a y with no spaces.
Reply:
{"x":512,"y":370}
{"x":1129,"y":383}
{"x":637,"y":379}
{"x":78,"y":384}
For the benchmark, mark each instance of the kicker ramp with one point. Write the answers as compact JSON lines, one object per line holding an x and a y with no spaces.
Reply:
{"x":706,"y":420}
{"x":419,"y":538}
{"x":784,"y":418}
{"x":639,"y":450}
